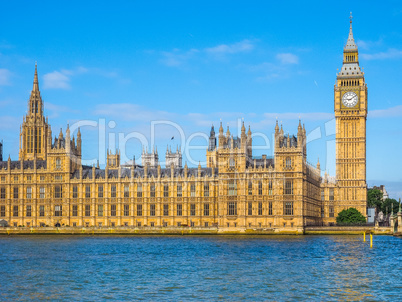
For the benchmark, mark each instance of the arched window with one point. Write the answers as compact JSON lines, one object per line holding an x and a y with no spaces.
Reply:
{"x":250,"y":188}
{"x":259,"y":188}
{"x":231,"y":163}
{"x":58,"y":163}
{"x":288,"y":162}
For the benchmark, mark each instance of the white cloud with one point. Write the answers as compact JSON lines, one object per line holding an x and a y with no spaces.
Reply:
{"x":60,"y":79}
{"x":287,"y":58}
{"x":368,"y":44}
{"x":177,"y":57}
{"x":56,"y":80}
{"x":5,"y":76}
{"x":242,"y":46}
{"x":391,"y":53}
{"x":55,"y":110}
{"x":389,"y":112}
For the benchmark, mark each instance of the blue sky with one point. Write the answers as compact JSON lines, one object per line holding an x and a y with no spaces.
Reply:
{"x":126,"y":64}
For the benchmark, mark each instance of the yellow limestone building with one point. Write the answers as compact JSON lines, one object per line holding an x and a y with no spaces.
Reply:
{"x":48,"y":185}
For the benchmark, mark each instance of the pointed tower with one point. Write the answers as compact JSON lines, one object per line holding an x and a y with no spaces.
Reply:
{"x":350,"y":99}
{"x":222,"y":139}
{"x":34,"y":129}
{"x":212,"y":139}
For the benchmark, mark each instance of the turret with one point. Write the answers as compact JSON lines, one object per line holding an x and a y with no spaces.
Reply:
{"x":68,"y":141}
{"x":222,"y":140}
{"x":34,"y":129}
{"x":276,"y":128}
{"x":79,"y":142}
{"x":212,"y":139}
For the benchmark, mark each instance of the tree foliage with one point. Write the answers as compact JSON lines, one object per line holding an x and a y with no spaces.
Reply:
{"x":390,"y":205}
{"x":350,"y":216}
{"x":374,"y":199}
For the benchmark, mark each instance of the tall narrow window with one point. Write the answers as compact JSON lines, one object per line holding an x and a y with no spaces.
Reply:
{"x":29,"y":192}
{"x":2,"y":193}
{"x":331,"y":194}
{"x":232,"y":188}
{"x":192,"y":190}
{"x":288,"y":208}
{"x":165,"y":190}
{"x":250,"y":209}
{"x":139,"y":209}
{"x":192,"y":209}
{"x":289,"y":187}
{"x":331,"y":212}
{"x":15,"y":211}
{"x":100,"y":191}
{"x":113,"y":210}
{"x":165,"y":210}
{"x":232,"y":208}
{"x":42,"y":192}
{"x":288,"y":162}
{"x":139,"y":190}
{"x":58,"y":163}
{"x":179,"y":190}
{"x":2,"y":211}
{"x":250,"y":188}
{"x":270,"y":208}
{"x":179,"y":208}
{"x":41,"y":211}
{"x":87,"y":191}
{"x":29,"y":211}
{"x":58,"y":192}
{"x":75,"y":192}
{"x":260,"y":208}
{"x":58,"y":210}
{"x":206,"y":209}
{"x":113,"y":191}
{"x":206,"y":189}
{"x":100,"y":210}
{"x":152,"y":209}
{"x":74,"y":211}
{"x":15,"y":193}
{"x":152,"y":189}
{"x":126,"y":210}
{"x":322,"y":194}
{"x":259,"y":188}
{"x":126,"y":190}
{"x":87,"y":210}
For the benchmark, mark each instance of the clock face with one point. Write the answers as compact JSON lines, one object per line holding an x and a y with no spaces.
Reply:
{"x":349,"y":99}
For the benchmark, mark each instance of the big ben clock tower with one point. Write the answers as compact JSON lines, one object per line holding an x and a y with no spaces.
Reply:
{"x":350,"y":98}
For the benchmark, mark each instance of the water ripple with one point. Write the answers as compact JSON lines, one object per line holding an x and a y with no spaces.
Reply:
{"x":175,"y":268}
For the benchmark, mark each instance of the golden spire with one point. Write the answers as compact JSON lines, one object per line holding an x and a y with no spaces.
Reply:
{"x":36,"y":82}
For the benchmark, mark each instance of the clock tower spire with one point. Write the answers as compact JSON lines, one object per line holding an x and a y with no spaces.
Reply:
{"x":350,"y":105}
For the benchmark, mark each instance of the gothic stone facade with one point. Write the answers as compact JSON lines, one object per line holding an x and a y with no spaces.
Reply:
{"x":48,"y":185}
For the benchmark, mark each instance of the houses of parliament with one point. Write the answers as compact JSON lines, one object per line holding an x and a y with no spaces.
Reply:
{"x":49,"y":186}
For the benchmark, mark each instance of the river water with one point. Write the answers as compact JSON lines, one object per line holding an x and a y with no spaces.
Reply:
{"x":213,"y":268}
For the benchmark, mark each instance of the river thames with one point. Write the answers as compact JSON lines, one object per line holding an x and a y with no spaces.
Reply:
{"x":184,"y":268}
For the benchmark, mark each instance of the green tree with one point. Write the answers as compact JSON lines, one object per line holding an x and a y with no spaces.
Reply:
{"x":390,"y":205}
{"x":374,"y":199}
{"x":350,"y":216}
